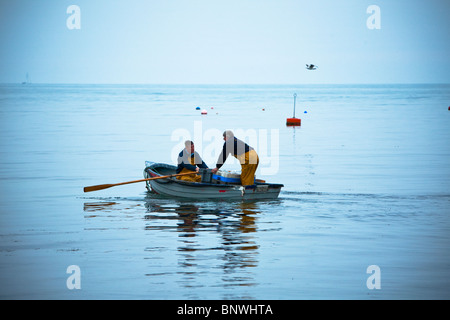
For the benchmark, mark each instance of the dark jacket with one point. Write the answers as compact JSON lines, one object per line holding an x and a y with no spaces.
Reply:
{"x":232,"y":146}
{"x":184,"y":161}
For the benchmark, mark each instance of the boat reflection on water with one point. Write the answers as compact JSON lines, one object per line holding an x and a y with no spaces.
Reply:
{"x":211,"y":236}
{"x":195,"y":244}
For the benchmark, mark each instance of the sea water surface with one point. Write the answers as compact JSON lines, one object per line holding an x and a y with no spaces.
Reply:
{"x":366,"y":183}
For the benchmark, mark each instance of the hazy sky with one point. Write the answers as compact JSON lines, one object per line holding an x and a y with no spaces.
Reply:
{"x":227,"y":41}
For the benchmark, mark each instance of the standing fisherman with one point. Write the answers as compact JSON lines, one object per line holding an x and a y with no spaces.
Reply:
{"x":246,"y":155}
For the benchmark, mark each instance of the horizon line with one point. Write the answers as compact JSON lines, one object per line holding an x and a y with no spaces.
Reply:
{"x":223,"y":84}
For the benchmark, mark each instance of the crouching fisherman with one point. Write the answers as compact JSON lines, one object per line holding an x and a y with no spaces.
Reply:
{"x":190,"y":161}
{"x":247,"y":156}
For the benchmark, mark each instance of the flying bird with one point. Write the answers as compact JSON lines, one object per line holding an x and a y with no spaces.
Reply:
{"x":311,"y":67}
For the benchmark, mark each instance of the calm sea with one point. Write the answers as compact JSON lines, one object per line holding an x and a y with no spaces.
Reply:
{"x":364,"y":213}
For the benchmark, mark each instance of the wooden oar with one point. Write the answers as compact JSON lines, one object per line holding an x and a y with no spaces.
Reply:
{"x":106,"y":186}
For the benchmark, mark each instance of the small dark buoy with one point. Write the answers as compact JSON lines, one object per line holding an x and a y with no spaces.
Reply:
{"x":198,"y":108}
{"x":449,"y":108}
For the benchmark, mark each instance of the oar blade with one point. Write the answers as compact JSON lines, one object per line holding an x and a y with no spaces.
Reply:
{"x":98,"y":187}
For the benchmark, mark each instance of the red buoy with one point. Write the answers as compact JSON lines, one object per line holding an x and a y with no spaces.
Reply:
{"x":293,"y":122}
{"x":448,"y":108}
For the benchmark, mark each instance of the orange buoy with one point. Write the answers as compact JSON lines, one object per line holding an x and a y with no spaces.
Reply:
{"x":293,"y":122}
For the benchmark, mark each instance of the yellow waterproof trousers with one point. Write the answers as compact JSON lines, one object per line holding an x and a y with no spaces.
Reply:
{"x":249,"y":163}
{"x":192,"y":177}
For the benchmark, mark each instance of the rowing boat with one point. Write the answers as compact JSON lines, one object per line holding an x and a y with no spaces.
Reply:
{"x":213,"y":189}
{"x":209,"y":188}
